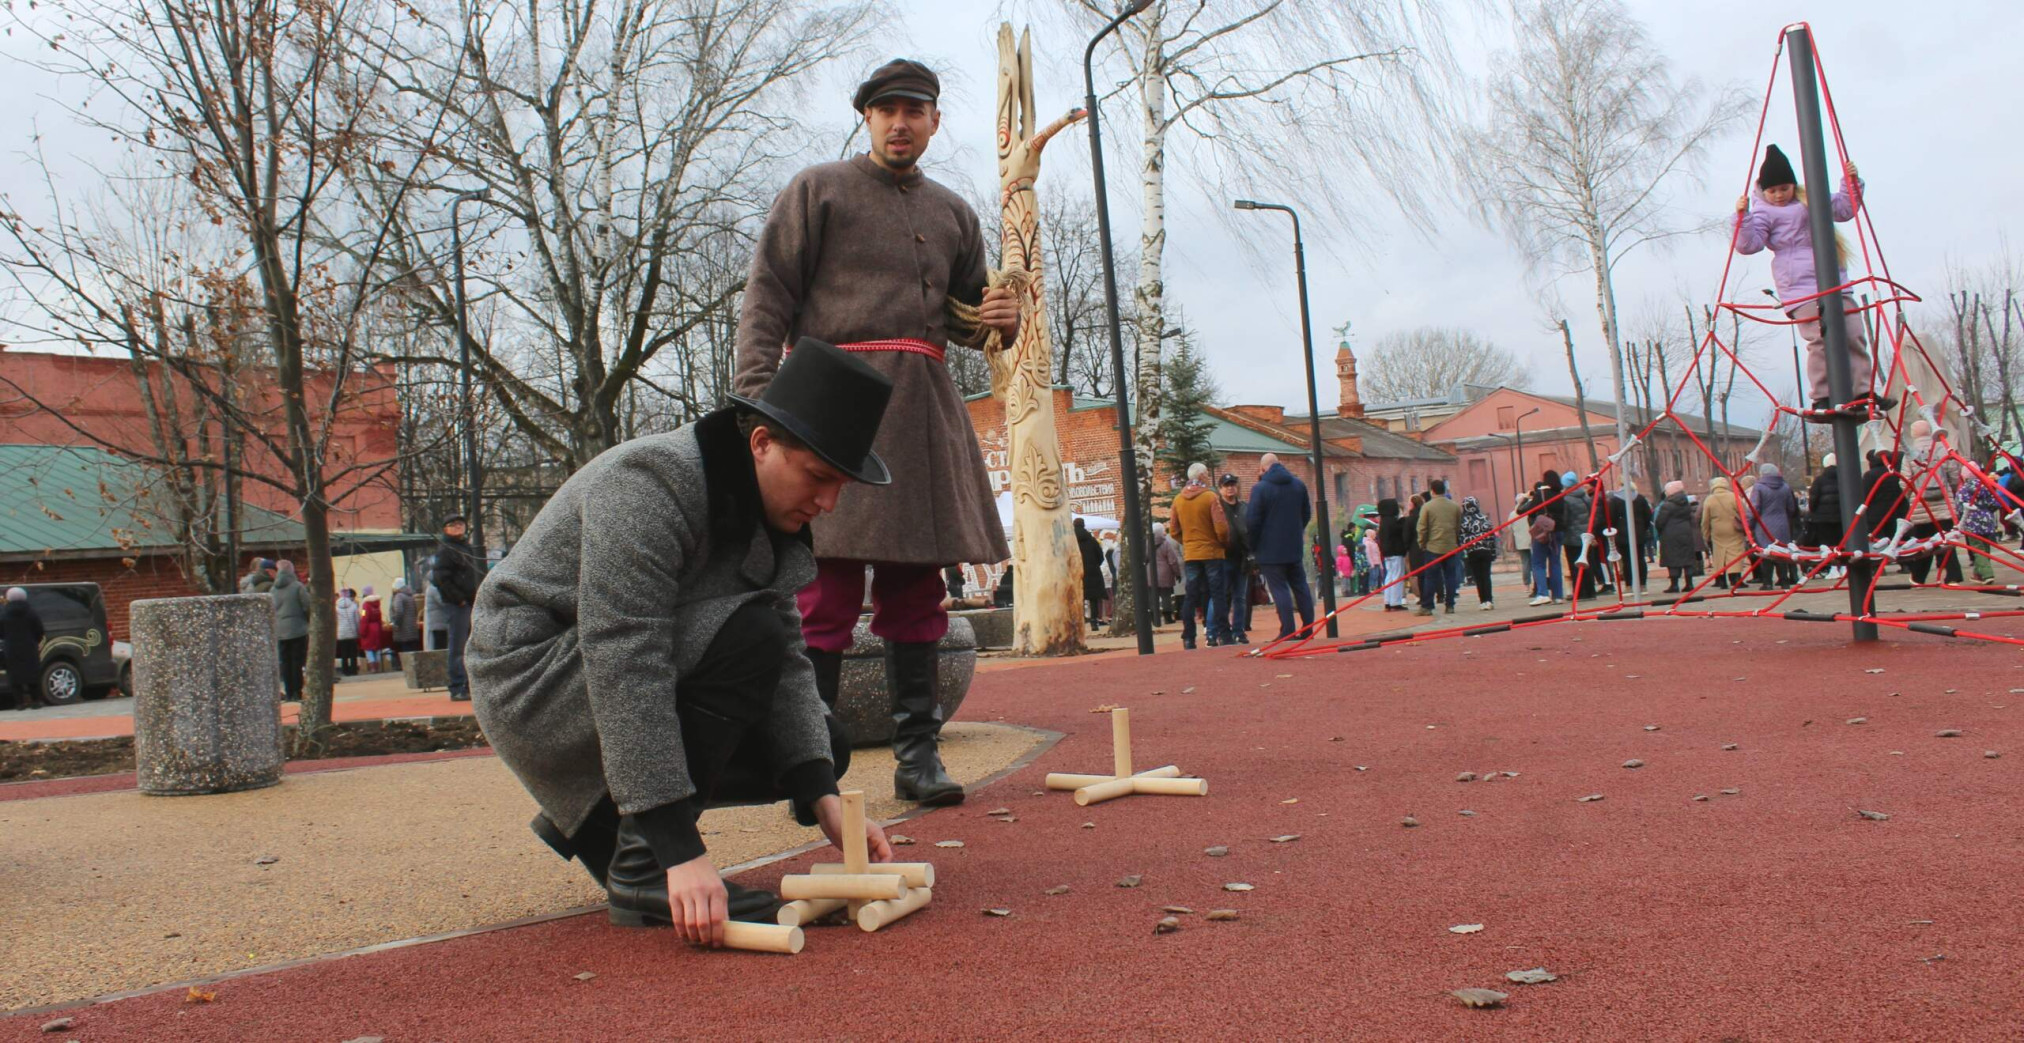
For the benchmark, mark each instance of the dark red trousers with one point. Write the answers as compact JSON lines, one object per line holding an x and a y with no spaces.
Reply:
{"x":906,"y":603}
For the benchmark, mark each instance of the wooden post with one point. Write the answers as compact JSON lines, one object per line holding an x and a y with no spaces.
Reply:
{"x":857,"y":887}
{"x":763,"y":937}
{"x":1120,"y":743}
{"x":855,"y":856}
{"x":874,"y":915}
{"x":1068,"y":780}
{"x":916,"y":874}
{"x":808,"y":910}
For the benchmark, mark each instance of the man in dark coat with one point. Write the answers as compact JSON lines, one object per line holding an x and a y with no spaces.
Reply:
{"x":1236,"y":562}
{"x":1277,"y":518}
{"x":867,"y":254}
{"x":1092,"y":571}
{"x":456,"y":577}
{"x":639,"y":656}
{"x":21,"y":631}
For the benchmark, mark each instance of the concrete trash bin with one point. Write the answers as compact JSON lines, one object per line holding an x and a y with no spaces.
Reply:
{"x":207,"y":694}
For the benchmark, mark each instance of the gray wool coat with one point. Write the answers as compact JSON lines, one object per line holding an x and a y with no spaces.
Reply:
{"x":581,"y":636}
{"x":852,"y":252}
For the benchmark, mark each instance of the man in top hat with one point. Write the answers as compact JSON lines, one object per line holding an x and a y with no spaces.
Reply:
{"x":868,"y":254}
{"x":638,"y":658}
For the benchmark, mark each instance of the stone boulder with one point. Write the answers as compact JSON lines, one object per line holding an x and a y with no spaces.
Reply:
{"x":993,"y":626}
{"x":207,"y":694}
{"x":426,"y":670}
{"x":864,"y":705}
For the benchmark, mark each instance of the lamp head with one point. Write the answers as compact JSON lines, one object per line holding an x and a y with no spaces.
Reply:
{"x":1135,"y":6}
{"x":1245,"y":204}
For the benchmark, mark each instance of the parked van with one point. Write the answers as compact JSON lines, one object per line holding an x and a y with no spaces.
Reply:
{"x":77,"y":653}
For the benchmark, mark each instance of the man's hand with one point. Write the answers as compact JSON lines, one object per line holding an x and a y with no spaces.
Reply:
{"x":697,"y":901}
{"x":829,"y":815}
{"x":1000,"y":311}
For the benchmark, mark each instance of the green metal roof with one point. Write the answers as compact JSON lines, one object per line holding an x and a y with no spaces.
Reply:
{"x":76,"y":501}
{"x":1226,"y":437}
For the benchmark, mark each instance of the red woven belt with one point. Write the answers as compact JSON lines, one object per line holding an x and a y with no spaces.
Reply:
{"x":917,"y":347}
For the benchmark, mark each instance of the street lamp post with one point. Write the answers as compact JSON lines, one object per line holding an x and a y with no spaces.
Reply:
{"x":1326,"y":564}
{"x":474,"y":509}
{"x":1496,"y":494}
{"x":1518,"y":450}
{"x":1136,"y":529}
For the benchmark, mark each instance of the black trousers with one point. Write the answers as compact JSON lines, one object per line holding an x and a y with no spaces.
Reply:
{"x":294,"y":657}
{"x":23,"y":689}
{"x":1950,"y":563}
{"x":725,"y":704}
{"x":1479,"y":570}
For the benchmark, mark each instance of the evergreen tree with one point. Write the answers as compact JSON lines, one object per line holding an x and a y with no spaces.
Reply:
{"x":1186,"y":426}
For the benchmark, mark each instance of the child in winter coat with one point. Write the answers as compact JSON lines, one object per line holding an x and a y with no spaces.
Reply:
{"x":1779,"y":221}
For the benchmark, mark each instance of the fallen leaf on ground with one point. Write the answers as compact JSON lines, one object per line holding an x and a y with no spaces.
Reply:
{"x":1089,"y":825}
{"x":1467,"y":776}
{"x":997,"y":912}
{"x":1873,"y":670}
{"x":1633,"y":763}
{"x":1363,"y":767}
{"x":1130,"y":881}
{"x":1005,"y":818}
{"x":1700,"y":796}
{"x":1409,"y":822}
{"x":1237,"y":887}
{"x":1282,"y":675}
{"x":1216,"y":852}
{"x":1466,"y":813}
{"x":1103,"y":708}
{"x":1947,"y":733}
{"x":266,"y":860}
{"x":1730,"y":792}
{"x":1062,"y":890}
{"x":1291,"y":800}
{"x":1289,"y":838}
{"x":1858,"y":720}
{"x":1873,"y":816}
{"x":998,"y":811}
{"x":1730,"y":746}
{"x":1535,"y":976}
{"x":1591,"y":798}
{"x":1181,"y":909}
{"x":586,"y":976}
{"x":1167,"y":925}
{"x":948,"y":843}
{"x":1465,"y":928}
{"x":1480,"y":997}
{"x":197,"y":995}
{"x":58,"y":1025}
{"x":1221,"y":915}
{"x":1189,"y":690}
{"x":1651,"y":727}
{"x":1991,"y":754}
{"x":899,"y":839}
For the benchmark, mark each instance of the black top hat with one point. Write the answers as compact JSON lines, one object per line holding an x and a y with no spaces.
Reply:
{"x":899,"y":78}
{"x":831,"y":402}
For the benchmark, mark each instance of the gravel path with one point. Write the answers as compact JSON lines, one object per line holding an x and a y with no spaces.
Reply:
{"x":116,"y":891}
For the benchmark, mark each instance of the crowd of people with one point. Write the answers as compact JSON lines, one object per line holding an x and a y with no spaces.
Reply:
{"x":373,"y":632}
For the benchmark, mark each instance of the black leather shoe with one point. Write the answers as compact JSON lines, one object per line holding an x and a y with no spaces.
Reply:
{"x":917,"y":725}
{"x":637,"y":887}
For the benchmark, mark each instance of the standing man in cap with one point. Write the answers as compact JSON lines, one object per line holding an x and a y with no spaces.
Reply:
{"x":870,"y":255}
{"x":638,"y":658}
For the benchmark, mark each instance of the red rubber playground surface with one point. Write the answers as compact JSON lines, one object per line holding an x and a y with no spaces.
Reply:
{"x":1775,"y":913}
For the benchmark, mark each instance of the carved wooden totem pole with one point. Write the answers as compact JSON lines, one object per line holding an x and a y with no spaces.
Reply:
{"x":1047,"y":567}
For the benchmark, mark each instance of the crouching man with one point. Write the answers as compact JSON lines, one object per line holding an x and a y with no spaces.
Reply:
{"x":638,"y":657}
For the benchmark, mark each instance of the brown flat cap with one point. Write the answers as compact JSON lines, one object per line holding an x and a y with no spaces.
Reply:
{"x":899,"y":78}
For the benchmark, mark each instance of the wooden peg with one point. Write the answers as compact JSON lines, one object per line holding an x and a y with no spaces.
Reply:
{"x":1110,"y":789}
{"x":873,"y":915}
{"x":1120,"y":742}
{"x":808,"y":910}
{"x":857,"y":887}
{"x":1171,"y":787}
{"x":1068,"y":780}
{"x":763,"y":937}
{"x":916,"y":874}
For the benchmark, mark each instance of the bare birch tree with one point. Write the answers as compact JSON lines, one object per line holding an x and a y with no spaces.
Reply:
{"x":1585,"y":134}
{"x":1295,"y":97}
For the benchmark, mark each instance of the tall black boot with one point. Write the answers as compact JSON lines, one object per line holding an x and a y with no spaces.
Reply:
{"x":593,"y":845}
{"x":637,"y":885}
{"x":917,"y":725}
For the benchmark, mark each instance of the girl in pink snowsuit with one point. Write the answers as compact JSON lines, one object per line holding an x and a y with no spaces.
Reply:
{"x":1778,"y":220}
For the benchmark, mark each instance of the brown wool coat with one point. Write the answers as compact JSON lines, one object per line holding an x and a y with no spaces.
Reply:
{"x":852,"y":252}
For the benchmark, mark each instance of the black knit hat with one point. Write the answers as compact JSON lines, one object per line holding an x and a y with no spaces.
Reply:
{"x":833,"y":403}
{"x":1777,"y":170}
{"x":899,"y":78}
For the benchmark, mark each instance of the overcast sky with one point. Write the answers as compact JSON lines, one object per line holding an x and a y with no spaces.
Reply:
{"x":1925,"y":99}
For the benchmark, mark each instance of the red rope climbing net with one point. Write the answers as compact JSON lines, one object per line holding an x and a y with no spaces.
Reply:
{"x":1944,"y":504}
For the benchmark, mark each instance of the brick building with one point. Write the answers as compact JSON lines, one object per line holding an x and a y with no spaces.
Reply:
{"x":1363,"y":462}
{"x":75,"y":508}
{"x":1507,"y":435}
